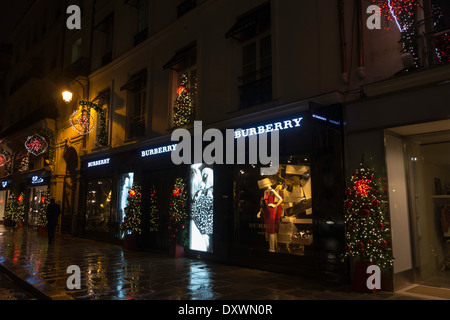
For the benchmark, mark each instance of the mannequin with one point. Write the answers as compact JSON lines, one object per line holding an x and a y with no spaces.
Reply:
{"x":271,"y":213}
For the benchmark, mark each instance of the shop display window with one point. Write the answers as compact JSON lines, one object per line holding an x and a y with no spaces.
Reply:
{"x":35,"y":203}
{"x":125,"y":184}
{"x":98,"y":205}
{"x":274,"y":212}
{"x":202,"y":204}
{"x":3,"y":199}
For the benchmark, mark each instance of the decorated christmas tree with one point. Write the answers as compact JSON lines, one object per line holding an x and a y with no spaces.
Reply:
{"x":178,"y":213}
{"x":19,"y":213}
{"x":132,"y":219}
{"x":183,"y":110}
{"x":42,"y":218}
{"x":367,"y":227}
{"x":154,"y":216}
{"x":11,"y":207}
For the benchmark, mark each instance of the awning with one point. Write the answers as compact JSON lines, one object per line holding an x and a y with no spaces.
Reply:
{"x":135,"y":82}
{"x":103,"y":96}
{"x":182,"y":56}
{"x":259,"y":16}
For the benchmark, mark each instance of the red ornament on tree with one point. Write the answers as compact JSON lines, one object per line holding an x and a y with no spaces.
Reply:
{"x":362,"y":187}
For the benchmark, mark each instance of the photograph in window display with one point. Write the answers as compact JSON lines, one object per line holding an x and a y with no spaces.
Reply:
{"x":202,"y":204}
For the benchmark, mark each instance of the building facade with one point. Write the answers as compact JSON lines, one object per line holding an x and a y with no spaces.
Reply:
{"x":332,"y":86}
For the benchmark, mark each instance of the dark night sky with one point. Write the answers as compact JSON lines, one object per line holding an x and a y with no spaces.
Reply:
{"x":10,"y":15}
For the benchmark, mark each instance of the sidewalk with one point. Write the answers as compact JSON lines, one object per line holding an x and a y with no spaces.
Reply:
{"x":109,"y":272}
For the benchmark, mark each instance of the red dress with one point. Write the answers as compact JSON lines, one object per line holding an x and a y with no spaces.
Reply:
{"x":272,"y":215}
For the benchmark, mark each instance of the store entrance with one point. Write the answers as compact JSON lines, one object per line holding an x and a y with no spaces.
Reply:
{"x":418,"y":171}
{"x":35,"y":200}
{"x":429,"y":170}
{"x":156,"y":190}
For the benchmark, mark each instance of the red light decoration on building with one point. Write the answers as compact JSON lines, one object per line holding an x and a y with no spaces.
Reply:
{"x":36,"y":145}
{"x":82,"y":121}
{"x":2,"y":160}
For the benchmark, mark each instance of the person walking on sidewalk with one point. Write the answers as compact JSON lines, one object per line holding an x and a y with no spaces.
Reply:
{"x":53,"y":211}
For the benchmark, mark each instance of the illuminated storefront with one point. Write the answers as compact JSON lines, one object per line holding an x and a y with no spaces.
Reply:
{"x":288,"y":220}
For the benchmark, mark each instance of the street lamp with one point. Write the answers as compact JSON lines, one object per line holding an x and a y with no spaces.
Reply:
{"x":67,"y":96}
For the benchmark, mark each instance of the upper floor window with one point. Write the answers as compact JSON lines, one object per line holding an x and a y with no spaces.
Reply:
{"x":253,"y":30}
{"x":185,"y":6}
{"x":76,"y":50}
{"x":441,"y":25}
{"x":136,"y":105}
{"x":142,"y":21}
{"x":106,"y":29}
{"x":184,"y":86}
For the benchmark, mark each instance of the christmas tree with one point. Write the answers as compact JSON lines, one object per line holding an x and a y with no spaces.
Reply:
{"x":154,"y":216}
{"x":19,"y":213}
{"x":42,"y":218}
{"x":10,"y":208}
{"x":178,"y":213}
{"x":132,"y":219}
{"x":367,"y":228}
{"x":183,"y":110}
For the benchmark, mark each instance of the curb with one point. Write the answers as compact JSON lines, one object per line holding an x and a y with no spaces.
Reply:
{"x":35,"y":286}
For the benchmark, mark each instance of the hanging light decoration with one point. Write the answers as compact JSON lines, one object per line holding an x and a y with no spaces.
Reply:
{"x":36,"y":145}
{"x":82,"y":121}
{"x":5,"y":157}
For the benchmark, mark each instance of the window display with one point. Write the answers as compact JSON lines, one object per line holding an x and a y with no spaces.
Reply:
{"x":125,"y":184}
{"x":35,"y":202}
{"x":202,"y":204}
{"x":275,"y":212}
{"x":3,"y":200}
{"x":98,"y":205}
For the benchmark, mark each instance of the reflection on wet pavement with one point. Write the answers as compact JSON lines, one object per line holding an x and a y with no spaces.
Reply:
{"x":109,"y":272}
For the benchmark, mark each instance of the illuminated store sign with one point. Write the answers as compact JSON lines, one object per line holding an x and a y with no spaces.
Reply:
{"x":275,"y":126}
{"x":37,"y":180}
{"x":159,"y":150}
{"x":98,"y":163}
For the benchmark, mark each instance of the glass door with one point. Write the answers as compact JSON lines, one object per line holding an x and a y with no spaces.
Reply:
{"x":429,"y":174}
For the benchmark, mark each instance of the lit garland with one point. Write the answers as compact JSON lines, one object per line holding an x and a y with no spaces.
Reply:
{"x":178,"y":213}
{"x":154,"y":216}
{"x":103,"y":134}
{"x":367,"y":228}
{"x":24,"y":163}
{"x":132,"y":219}
{"x":36,"y":145}
{"x":183,"y":110}
{"x":42,"y":217}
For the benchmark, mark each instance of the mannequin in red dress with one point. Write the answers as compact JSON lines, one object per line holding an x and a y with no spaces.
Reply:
{"x":270,"y":212}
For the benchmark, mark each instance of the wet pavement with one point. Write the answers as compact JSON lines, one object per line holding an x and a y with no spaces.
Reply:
{"x":10,"y":290}
{"x":108,"y":272}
